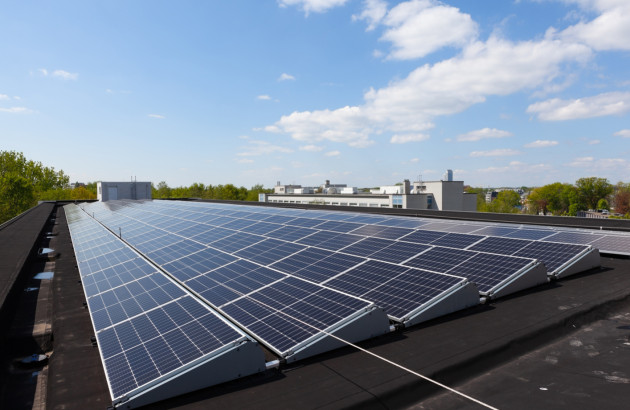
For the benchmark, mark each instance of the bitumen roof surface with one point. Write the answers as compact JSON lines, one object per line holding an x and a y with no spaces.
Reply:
{"x":563,"y":344}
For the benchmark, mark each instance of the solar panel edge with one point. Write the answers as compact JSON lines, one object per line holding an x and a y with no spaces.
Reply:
{"x":231,"y":363}
{"x":460,"y":296}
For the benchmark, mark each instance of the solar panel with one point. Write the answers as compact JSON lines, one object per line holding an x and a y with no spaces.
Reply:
{"x":150,"y":330}
{"x":404,"y":292}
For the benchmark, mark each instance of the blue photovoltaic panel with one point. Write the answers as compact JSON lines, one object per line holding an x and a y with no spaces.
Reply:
{"x":573,"y":237}
{"x":423,"y":236}
{"x":317,"y":265}
{"x":440,"y":259}
{"x":290,"y":311}
{"x":337,"y":226}
{"x":269,"y":251}
{"x":457,"y":240}
{"x":488,"y":271}
{"x":502,"y":246}
{"x":553,"y":255}
{"x":290,"y":233}
{"x":333,"y":241}
{"x":367,"y":246}
{"x":399,"y":252}
{"x":305,"y":222}
{"x":146,"y":325}
{"x":198,"y":263}
{"x":398,"y":289}
{"x":236,"y":242}
{"x":260,"y":228}
{"x":495,"y":231}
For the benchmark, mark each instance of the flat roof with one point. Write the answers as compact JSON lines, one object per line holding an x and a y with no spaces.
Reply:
{"x":562,"y":344}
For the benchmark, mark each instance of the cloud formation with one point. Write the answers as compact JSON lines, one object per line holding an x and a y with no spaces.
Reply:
{"x":500,"y":152}
{"x":556,"y":109}
{"x":622,"y":133}
{"x":286,"y":77}
{"x":315,"y":6}
{"x":405,"y":138}
{"x":259,"y":147}
{"x":157,"y":116}
{"x":483,"y":133}
{"x":419,"y":27}
{"x":541,"y":144}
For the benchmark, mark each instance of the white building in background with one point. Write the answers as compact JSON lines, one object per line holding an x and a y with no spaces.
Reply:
{"x":444,"y":195}
{"x":110,"y":191}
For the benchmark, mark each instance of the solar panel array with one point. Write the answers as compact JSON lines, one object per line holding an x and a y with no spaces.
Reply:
{"x":148,"y":328}
{"x":160,"y":276}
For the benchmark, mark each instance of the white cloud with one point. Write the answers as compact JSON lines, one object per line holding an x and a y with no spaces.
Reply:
{"x":601,"y":165}
{"x":65,"y":75}
{"x":414,"y":160}
{"x":245,"y":161}
{"x":517,"y":167}
{"x":608,"y":31}
{"x":315,"y":6}
{"x":495,"y":67}
{"x":419,"y":27}
{"x":43,"y":71}
{"x":405,"y":138}
{"x":311,"y":148}
{"x":333,"y":154}
{"x":483,"y":134}
{"x":346,"y":125}
{"x":541,"y":144}
{"x":158,"y":116}
{"x":258,"y":147}
{"x":15,"y":110}
{"x":264,"y":97}
{"x":4,"y":97}
{"x":373,"y":12}
{"x":622,"y":133}
{"x":594,"y":142}
{"x":613,"y":103}
{"x":500,"y":152}
{"x":286,"y":77}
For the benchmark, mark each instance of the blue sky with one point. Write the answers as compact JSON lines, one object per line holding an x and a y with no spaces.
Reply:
{"x":368,"y":93}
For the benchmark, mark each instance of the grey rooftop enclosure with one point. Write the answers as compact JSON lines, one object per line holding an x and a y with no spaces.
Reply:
{"x":111,"y":191}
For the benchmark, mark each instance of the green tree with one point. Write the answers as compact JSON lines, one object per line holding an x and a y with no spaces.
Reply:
{"x":621,"y":198}
{"x":23,"y":182}
{"x":555,"y":198}
{"x":592,"y":189}
{"x":162,"y":190}
{"x":506,"y":202}
{"x":16,"y":196}
{"x":603,"y":204}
